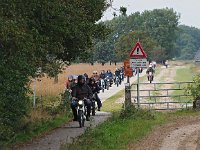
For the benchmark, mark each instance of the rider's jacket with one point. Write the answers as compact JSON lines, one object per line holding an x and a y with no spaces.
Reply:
{"x":150,"y":70}
{"x":102,"y":76}
{"x":117,"y":72}
{"x":82,"y":91}
{"x":94,"y":87}
{"x":109,"y":74}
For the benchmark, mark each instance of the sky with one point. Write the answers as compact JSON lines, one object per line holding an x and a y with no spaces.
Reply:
{"x":189,"y":9}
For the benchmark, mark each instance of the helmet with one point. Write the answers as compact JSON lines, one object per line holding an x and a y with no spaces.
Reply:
{"x":85,"y":74}
{"x":94,"y":72}
{"x":150,"y":66}
{"x":81,"y":80}
{"x":70,"y":77}
{"x":91,"y":80}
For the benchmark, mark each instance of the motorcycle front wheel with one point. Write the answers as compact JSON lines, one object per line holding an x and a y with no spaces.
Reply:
{"x":81,"y":118}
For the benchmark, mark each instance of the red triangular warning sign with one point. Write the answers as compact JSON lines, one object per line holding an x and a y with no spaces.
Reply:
{"x":138,"y":52}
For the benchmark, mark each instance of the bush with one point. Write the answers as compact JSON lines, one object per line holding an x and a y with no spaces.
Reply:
{"x":194,"y":89}
{"x":134,"y":113}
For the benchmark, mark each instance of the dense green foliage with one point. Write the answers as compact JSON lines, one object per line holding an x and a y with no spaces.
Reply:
{"x":171,"y":40}
{"x":188,"y":42}
{"x":195,"y":88}
{"x":158,"y":27}
{"x":36,"y":34}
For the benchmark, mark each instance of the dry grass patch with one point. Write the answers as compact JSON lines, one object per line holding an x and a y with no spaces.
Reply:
{"x":47,"y":87}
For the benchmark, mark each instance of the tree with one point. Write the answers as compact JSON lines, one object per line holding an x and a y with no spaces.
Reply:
{"x":29,"y":32}
{"x":162,"y":25}
{"x":187,"y":42}
{"x":126,"y":43}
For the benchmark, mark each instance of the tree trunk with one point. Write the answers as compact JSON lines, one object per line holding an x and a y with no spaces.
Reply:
{"x":56,"y":79}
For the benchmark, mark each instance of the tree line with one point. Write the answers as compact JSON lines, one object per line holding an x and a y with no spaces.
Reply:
{"x":158,"y":31}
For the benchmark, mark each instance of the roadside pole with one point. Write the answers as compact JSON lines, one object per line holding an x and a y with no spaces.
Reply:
{"x":127,"y":93}
{"x":34,"y":93}
{"x":128,"y":74}
{"x":138,"y":88}
{"x":138,"y":60}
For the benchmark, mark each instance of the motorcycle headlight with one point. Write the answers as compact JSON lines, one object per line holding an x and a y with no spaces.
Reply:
{"x":80,"y":102}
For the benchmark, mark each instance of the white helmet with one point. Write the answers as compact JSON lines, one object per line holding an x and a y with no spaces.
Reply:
{"x":150,"y":66}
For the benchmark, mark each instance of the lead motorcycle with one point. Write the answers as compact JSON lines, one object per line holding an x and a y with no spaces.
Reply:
{"x":81,"y":112}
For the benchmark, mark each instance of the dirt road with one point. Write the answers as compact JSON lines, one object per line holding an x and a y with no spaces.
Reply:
{"x":181,"y":134}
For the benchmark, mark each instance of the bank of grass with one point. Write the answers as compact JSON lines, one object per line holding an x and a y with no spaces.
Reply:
{"x":110,"y":105}
{"x":118,"y":131}
{"x":183,"y":75}
{"x":36,"y":129}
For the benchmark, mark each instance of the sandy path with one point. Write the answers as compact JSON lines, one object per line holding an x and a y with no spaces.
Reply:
{"x":180,"y":134}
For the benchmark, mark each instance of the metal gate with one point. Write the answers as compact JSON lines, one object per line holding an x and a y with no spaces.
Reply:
{"x":162,"y":96}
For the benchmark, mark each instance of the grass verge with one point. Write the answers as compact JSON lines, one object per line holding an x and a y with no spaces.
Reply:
{"x":37,"y":128}
{"x":119,"y":131}
{"x":183,"y":74}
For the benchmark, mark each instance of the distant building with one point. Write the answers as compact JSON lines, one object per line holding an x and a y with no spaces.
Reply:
{"x":197,"y":58}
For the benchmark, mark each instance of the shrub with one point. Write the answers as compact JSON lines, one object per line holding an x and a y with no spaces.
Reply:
{"x":194,"y":88}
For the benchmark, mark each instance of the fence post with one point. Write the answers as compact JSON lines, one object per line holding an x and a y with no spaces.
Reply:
{"x":138,"y":88}
{"x":127,"y":95}
{"x":167,"y":105}
{"x":34,"y":93}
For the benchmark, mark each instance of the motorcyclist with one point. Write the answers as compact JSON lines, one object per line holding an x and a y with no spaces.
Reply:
{"x":166,"y":63}
{"x":95,"y":89}
{"x":102,"y":74}
{"x":81,"y":91}
{"x":117,"y":74}
{"x":150,"y":69}
{"x":69,"y":83}
{"x":109,"y":75}
{"x":95,"y":76}
{"x":86,"y":78}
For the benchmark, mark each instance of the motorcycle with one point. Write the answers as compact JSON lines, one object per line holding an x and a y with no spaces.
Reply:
{"x":102,"y":84}
{"x":94,"y":105}
{"x":81,"y":112}
{"x":122,"y":76}
{"x":117,"y":81}
{"x":150,"y":77}
{"x":107,"y":82}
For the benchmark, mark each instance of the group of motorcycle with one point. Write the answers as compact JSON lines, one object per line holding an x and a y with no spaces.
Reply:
{"x":105,"y":83}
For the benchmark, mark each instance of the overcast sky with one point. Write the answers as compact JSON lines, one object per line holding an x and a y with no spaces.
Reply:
{"x":188,"y":9}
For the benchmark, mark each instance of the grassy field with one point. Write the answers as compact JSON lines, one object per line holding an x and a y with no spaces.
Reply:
{"x":184,"y":74}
